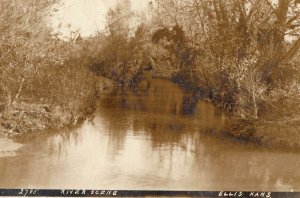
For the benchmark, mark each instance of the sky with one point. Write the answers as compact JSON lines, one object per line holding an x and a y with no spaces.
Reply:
{"x":86,"y":16}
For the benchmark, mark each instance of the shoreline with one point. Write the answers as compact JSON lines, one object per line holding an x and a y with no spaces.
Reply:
{"x":259,"y":132}
{"x":36,"y":117}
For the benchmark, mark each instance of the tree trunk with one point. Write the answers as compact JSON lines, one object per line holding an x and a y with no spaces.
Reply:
{"x":278,"y":41}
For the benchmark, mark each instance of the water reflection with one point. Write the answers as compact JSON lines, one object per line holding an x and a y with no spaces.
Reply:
{"x":8,"y":147}
{"x":149,"y":140}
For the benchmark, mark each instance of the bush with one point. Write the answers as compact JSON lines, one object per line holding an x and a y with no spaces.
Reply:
{"x":40,"y":75}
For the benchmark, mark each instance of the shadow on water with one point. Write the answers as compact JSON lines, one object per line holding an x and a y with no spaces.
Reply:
{"x":157,"y":138}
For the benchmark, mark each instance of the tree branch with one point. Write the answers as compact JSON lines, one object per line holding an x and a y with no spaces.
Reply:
{"x":292,"y":52}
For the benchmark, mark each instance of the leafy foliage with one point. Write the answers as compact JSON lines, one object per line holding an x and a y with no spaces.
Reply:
{"x":238,"y":48}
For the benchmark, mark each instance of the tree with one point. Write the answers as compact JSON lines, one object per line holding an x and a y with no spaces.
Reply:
{"x":118,"y":20}
{"x":40,"y":76}
{"x":240,"y":45}
{"x":25,"y":45}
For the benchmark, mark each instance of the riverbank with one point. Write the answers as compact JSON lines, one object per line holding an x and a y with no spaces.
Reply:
{"x":280,"y":134}
{"x":36,"y":116}
{"x":277,"y":126}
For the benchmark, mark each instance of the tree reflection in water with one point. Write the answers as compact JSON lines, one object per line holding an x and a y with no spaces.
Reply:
{"x":155,"y":139}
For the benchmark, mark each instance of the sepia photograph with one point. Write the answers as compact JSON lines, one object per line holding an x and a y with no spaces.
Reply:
{"x":150,"y":98}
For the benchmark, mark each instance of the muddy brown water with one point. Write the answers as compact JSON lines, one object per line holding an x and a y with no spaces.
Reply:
{"x":157,"y":138}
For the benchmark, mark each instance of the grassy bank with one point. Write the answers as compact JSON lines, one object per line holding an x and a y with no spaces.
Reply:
{"x":38,"y":115}
{"x":279,"y":125}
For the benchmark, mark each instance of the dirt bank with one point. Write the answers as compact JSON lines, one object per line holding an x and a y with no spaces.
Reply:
{"x":268,"y":133}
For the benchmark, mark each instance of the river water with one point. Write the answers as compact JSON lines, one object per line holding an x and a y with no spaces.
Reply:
{"x":157,"y":138}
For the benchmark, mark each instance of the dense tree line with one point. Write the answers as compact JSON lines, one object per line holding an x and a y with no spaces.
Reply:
{"x":236,"y":49}
{"x":244,"y":53}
